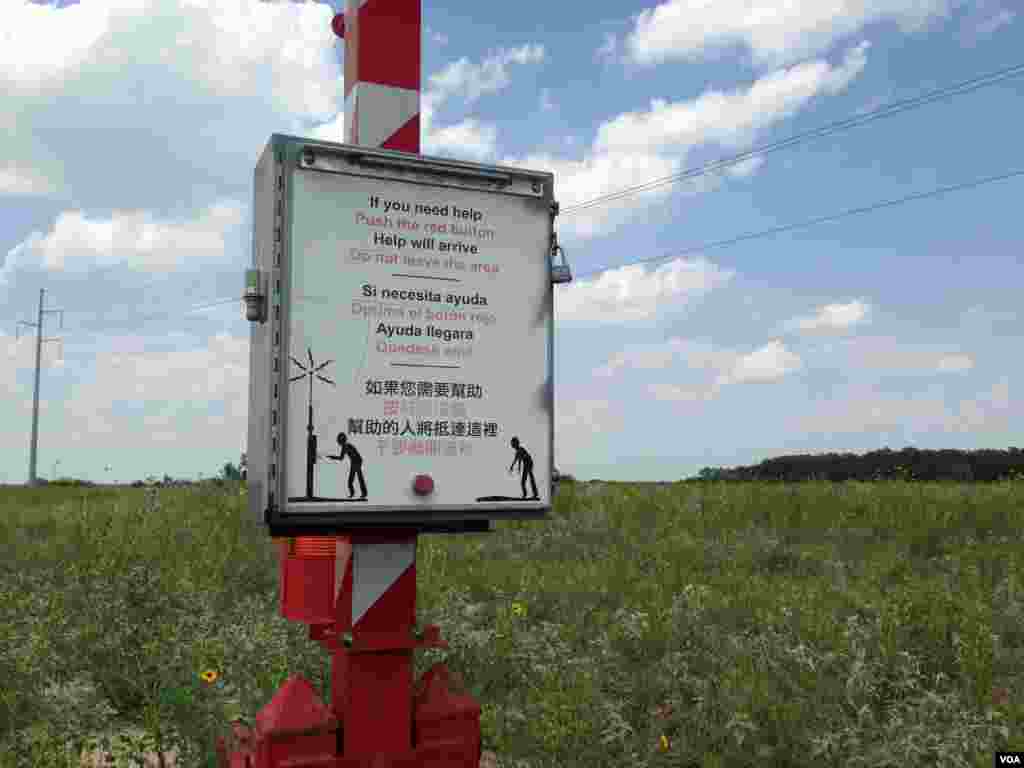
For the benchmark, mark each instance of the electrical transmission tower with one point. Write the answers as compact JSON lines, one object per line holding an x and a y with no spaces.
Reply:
{"x":38,"y":325}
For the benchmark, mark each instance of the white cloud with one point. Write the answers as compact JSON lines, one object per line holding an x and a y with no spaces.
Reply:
{"x":866,"y":412}
{"x":999,"y":395}
{"x":126,"y":103}
{"x":770,"y":362}
{"x":885,"y":354}
{"x":332,"y":130}
{"x":159,"y":382}
{"x":646,"y":357}
{"x":469,"y":81}
{"x":863,"y":410}
{"x":732,"y":118}
{"x":714,"y":368}
{"x":954,"y":363}
{"x":183,"y":91}
{"x":77,"y":243}
{"x":578,"y":420}
{"x":15,"y":353}
{"x":599,"y":173}
{"x":775,"y":33}
{"x":635,"y":293}
{"x":746,"y":168}
{"x":128,"y":398}
{"x":708,"y":369}
{"x":636,"y":147}
{"x":673,"y":393}
{"x":43,"y":43}
{"x":24,"y":181}
{"x":469,"y":139}
{"x":693,"y":356}
{"x":217,"y":371}
{"x":18,"y":353}
{"x":833,"y":316}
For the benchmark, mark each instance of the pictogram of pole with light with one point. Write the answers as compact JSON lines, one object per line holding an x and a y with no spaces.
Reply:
{"x":311,"y":441}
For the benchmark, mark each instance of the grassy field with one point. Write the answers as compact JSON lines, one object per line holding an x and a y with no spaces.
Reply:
{"x":682,"y":625}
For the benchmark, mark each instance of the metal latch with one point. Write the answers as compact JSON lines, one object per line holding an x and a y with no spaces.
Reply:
{"x":560,"y":273}
{"x":255,"y":298}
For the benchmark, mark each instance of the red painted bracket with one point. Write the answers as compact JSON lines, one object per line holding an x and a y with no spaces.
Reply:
{"x":370,"y":642}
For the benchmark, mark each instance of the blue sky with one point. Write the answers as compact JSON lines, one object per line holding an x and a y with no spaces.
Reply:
{"x":125,"y":183}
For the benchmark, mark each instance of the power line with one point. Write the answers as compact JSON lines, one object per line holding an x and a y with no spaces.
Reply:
{"x":732,"y":240}
{"x":886,"y":110}
{"x":93,"y":273}
{"x":816,"y":220}
{"x":182,"y":312}
{"x":146,"y":318}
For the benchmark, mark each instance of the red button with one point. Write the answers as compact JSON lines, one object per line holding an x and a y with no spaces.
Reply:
{"x":423,"y":485}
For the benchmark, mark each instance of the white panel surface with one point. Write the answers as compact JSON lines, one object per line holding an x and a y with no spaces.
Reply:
{"x":432,"y":306}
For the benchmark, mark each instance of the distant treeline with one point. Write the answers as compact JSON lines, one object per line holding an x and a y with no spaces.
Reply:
{"x":229,"y":473}
{"x":986,"y":465}
{"x":908,"y":464}
{"x":167,"y":482}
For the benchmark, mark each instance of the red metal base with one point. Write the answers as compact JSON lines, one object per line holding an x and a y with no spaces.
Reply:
{"x":378,"y":717}
{"x":296,"y":730}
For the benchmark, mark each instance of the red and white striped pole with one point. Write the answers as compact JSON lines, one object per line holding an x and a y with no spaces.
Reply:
{"x":371,"y":632}
{"x":375,"y":574}
{"x":382,"y":73}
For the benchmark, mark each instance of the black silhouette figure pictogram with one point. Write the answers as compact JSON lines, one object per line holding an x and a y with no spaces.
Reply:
{"x":355,"y":465}
{"x":525,"y":461}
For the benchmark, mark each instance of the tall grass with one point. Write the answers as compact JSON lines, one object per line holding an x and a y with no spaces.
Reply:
{"x":716,"y":625}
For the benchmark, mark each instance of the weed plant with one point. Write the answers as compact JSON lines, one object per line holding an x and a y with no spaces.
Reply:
{"x":684,"y":625}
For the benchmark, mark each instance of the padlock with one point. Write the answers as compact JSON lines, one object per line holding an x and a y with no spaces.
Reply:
{"x":560,"y":273}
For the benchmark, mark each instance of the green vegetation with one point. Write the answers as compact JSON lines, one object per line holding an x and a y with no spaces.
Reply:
{"x":704,"y":624}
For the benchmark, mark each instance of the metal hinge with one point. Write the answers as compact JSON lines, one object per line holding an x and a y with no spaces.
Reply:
{"x":274,"y":454}
{"x":255,"y":296}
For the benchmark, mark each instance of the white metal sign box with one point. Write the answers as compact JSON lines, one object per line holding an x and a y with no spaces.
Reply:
{"x":401,"y":356}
